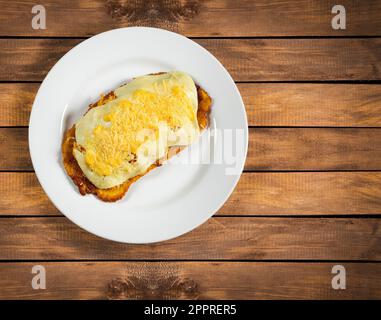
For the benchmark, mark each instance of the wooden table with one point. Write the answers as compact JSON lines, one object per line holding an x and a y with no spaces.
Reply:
{"x":310,"y":196}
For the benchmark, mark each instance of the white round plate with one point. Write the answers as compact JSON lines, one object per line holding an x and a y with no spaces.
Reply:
{"x":170,"y":200}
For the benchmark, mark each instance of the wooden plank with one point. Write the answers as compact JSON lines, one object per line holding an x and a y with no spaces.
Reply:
{"x":15,"y":149}
{"x":190,"y":280}
{"x":16,"y":100}
{"x":284,"y":193}
{"x":267,"y":104}
{"x":269,"y":149}
{"x":314,"y":149}
{"x":193,"y":17}
{"x":319,"y":105}
{"x":246,"y":59}
{"x":236,"y":238}
{"x":306,"y":193}
{"x":21,"y":193}
{"x":31,"y":59}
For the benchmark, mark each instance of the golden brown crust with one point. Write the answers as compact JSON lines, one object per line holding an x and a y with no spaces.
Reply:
{"x":204,"y":106}
{"x":116,"y":193}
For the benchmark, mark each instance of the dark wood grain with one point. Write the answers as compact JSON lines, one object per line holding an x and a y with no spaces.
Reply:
{"x":15,"y":152}
{"x":21,"y":193}
{"x":284,"y":193}
{"x":306,"y":193}
{"x":192,"y":17}
{"x":269,"y":149}
{"x":301,"y":104}
{"x":314,"y":149}
{"x":246,"y":59}
{"x":16,"y":100}
{"x":56,"y":238}
{"x":267,"y":104}
{"x":31,"y":59}
{"x":190,"y":280}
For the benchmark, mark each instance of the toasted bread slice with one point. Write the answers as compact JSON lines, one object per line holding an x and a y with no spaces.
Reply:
{"x":113,"y":194}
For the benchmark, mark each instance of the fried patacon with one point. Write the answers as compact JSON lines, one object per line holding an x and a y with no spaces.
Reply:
{"x":115,"y":193}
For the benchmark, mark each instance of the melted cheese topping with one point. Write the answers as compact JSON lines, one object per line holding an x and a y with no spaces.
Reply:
{"x":122,"y":138}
